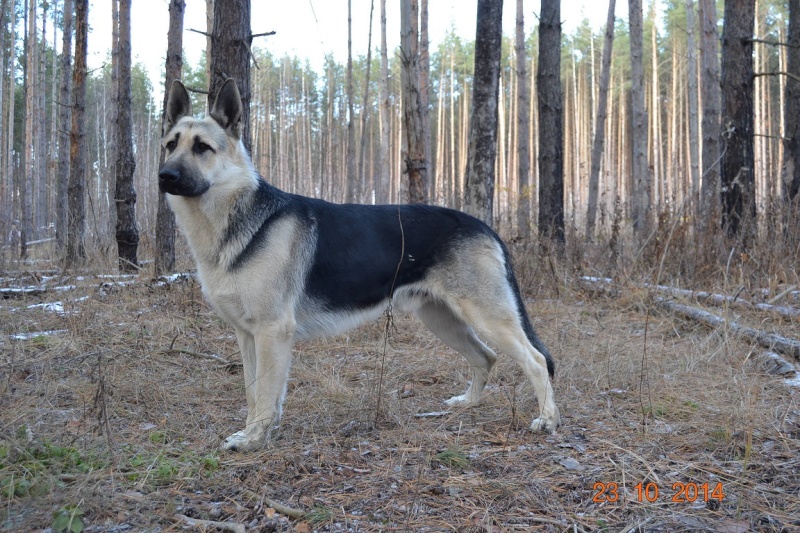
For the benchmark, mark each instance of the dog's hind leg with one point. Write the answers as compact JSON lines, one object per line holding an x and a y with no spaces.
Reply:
{"x":502,"y":329}
{"x":458,"y":335}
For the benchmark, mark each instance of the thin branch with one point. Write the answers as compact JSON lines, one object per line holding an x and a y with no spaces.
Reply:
{"x":225,"y":526}
{"x":202,"y":33}
{"x":199,"y":91}
{"x":265,"y":34}
{"x":777,"y":73}
{"x":772,"y":42}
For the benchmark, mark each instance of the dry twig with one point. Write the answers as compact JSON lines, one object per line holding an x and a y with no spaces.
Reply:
{"x":225,"y":526}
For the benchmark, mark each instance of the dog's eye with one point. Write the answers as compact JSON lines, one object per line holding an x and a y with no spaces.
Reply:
{"x":200,"y":148}
{"x":170,"y":146}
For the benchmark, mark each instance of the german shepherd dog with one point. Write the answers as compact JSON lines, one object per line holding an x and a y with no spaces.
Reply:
{"x":281,"y":267}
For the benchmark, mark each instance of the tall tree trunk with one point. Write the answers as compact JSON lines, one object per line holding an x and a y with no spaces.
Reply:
{"x":791,"y":163}
{"x":5,"y":185}
{"x":28,"y":189}
{"x":423,"y":52}
{"x":600,"y":123}
{"x":641,"y":194}
{"x":127,"y":230}
{"x":77,"y":211}
{"x":365,"y":193}
{"x":524,"y":187}
{"x":13,"y":177}
{"x":737,"y":83}
{"x":351,"y":180}
{"x":416,"y":166}
{"x":710,"y":79}
{"x":482,"y":151}
{"x":64,"y":118}
{"x":691,"y":88}
{"x":551,"y":124}
{"x":230,"y":55}
{"x":382,"y":184}
{"x":165,"y":218}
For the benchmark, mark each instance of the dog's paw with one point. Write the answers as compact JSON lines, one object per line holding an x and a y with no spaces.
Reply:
{"x":464,"y":400}
{"x":546,"y":424}
{"x":241,"y":442}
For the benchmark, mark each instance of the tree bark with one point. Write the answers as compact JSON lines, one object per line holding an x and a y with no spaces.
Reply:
{"x":230,"y":55}
{"x":737,"y":84}
{"x":77,"y":211}
{"x":28,"y":190}
{"x":641,"y":194}
{"x":709,"y":60}
{"x":365,"y":192}
{"x":600,"y":123}
{"x":382,"y":184}
{"x":791,"y":162}
{"x":482,"y":150}
{"x":64,"y":118}
{"x":551,"y":124}
{"x":351,"y":180}
{"x":416,"y":166}
{"x":127,"y":230}
{"x":691,"y":87}
{"x":524,"y":187}
{"x":165,"y":218}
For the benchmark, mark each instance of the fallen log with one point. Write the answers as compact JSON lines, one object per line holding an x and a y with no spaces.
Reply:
{"x":778,"y":343}
{"x":774,"y":364}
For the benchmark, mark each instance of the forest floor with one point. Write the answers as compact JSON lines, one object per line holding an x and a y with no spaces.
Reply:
{"x":112,"y":411}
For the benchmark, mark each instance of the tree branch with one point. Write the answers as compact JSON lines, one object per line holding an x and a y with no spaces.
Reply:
{"x":202,"y":33}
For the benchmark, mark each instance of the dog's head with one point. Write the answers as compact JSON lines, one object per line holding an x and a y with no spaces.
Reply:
{"x":199,"y":151}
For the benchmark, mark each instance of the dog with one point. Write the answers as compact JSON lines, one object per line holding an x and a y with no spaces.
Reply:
{"x":280,"y":267}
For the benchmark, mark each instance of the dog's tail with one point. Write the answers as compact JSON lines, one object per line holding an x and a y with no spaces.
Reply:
{"x":523,"y":314}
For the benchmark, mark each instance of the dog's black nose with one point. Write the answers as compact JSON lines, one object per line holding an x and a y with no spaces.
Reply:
{"x":170,"y":175}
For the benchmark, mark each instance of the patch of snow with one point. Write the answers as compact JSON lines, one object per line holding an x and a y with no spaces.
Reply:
{"x":34,"y":334}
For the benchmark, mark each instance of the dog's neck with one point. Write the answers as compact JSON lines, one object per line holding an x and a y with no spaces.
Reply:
{"x":219,"y":224}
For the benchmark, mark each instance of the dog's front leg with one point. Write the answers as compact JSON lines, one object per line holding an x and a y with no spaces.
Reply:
{"x":266,"y":372}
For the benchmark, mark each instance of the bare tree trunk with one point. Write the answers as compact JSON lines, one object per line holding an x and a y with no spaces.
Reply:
{"x":13,"y":177}
{"x":600,"y":123}
{"x":791,"y":163}
{"x":691,"y":87}
{"x":5,"y":185}
{"x":551,"y":124}
{"x":737,"y":83}
{"x":165,"y":218}
{"x":482,"y":151}
{"x":382,"y":184}
{"x":230,"y":56}
{"x":77,"y":211}
{"x":640,"y":201}
{"x":416,"y":166}
{"x":362,"y":172}
{"x":351,"y":181}
{"x":710,"y":79}
{"x":111,"y":117}
{"x":64,"y":118}
{"x":524,"y":187}
{"x":424,"y":96}
{"x":127,"y":230}
{"x":28,"y":190}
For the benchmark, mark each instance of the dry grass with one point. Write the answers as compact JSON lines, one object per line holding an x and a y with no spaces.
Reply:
{"x":116,"y":421}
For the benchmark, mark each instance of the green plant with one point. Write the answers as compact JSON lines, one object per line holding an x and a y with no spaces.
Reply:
{"x":452,"y":457}
{"x":68,"y":519}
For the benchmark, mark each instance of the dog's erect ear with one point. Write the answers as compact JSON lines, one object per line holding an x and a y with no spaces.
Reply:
{"x":227,"y":111}
{"x":178,"y":105}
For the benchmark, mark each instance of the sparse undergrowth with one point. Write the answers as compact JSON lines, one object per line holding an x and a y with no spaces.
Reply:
{"x":111,"y":413}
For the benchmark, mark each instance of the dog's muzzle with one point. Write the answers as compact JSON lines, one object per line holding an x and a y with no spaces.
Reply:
{"x":172,"y":179}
